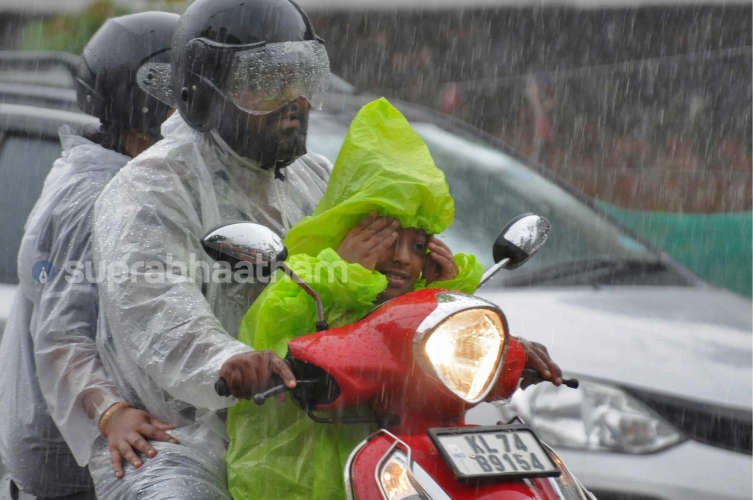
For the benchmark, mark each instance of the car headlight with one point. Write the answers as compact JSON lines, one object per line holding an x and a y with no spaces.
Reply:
{"x":464,"y":351}
{"x":596,"y":417}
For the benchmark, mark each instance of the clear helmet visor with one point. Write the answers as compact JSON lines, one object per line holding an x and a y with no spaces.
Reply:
{"x":263,"y":79}
{"x":155,"y":78}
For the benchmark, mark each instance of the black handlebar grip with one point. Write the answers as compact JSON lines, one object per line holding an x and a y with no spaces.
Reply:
{"x":571,"y":382}
{"x":535,"y":377}
{"x":221,"y":387}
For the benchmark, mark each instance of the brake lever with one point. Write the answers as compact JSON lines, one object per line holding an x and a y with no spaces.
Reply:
{"x":260,"y":397}
{"x":222,"y":388}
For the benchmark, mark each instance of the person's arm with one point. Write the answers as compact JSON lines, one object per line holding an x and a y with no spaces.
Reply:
{"x":540,"y":364}
{"x":284,"y":310}
{"x":523,"y":354}
{"x":147,"y":243}
{"x":73,"y":381}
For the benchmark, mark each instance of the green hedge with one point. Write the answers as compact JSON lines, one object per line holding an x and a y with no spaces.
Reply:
{"x":717,"y":247}
{"x":68,"y":32}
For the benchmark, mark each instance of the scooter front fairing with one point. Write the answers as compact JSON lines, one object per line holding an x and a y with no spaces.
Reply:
{"x":390,"y":361}
{"x":382,"y":359}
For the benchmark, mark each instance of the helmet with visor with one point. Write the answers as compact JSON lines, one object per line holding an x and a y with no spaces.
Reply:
{"x":237,"y":66}
{"x":107,"y":74}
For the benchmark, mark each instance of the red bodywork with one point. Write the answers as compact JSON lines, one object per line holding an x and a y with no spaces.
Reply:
{"x":373,"y":361}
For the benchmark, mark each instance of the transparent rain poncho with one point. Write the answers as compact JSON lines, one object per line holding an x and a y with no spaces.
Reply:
{"x":165,"y":313}
{"x":48,"y":351}
{"x":276,"y":451}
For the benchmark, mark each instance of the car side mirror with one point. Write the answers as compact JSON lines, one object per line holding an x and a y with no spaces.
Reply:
{"x":520,"y":239}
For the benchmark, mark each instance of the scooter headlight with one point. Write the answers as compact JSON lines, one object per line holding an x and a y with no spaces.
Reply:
{"x":465,"y":350}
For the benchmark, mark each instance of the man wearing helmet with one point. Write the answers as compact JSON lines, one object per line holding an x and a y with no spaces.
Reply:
{"x":60,"y":398}
{"x":243,"y":76}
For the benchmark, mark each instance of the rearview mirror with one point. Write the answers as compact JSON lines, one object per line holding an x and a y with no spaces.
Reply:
{"x":247,"y":242}
{"x":520,"y":239}
{"x":261,"y":248}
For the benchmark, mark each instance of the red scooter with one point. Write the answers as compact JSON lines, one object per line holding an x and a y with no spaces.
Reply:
{"x":421,"y":361}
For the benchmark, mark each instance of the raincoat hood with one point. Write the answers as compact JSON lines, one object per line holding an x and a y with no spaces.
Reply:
{"x":383,"y":166}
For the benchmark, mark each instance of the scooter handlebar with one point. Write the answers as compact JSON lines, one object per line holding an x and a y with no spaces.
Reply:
{"x":573,"y":383}
{"x":221,"y":387}
{"x":535,"y":377}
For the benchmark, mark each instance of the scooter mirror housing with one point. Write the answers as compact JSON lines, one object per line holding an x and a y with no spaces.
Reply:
{"x":259,"y":247}
{"x":246,"y":242}
{"x":520,"y":239}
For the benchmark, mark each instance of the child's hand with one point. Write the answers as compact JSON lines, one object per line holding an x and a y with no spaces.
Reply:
{"x":127,"y":431}
{"x":440,"y":265}
{"x":367,"y":242}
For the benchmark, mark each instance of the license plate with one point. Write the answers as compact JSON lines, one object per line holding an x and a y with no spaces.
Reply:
{"x":499,"y":451}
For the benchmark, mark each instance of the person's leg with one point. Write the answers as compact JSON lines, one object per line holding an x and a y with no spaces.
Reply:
{"x":84,"y":495}
{"x":34,"y":475}
{"x":16,"y":494}
{"x":191,"y":470}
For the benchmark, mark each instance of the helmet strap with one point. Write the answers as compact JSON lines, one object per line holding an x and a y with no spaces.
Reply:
{"x":278,"y":172}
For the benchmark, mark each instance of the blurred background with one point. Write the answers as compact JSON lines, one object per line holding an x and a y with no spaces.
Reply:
{"x":644,"y":107}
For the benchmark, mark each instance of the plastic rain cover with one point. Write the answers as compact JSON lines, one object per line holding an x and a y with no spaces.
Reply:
{"x":165,"y":313}
{"x":49,"y":343}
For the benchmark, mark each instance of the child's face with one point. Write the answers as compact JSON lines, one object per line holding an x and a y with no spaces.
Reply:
{"x":403,"y":264}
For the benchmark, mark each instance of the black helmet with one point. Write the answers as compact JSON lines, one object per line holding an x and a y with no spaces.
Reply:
{"x":106,"y":79}
{"x":225,"y":27}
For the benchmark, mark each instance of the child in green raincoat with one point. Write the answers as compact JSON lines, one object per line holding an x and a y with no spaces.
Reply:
{"x":366,"y":242}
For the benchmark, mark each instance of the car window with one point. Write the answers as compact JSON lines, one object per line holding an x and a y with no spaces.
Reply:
{"x":24,"y":163}
{"x":491,"y":187}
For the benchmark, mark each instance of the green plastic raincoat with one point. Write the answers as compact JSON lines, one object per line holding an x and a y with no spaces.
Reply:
{"x":276,"y":451}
